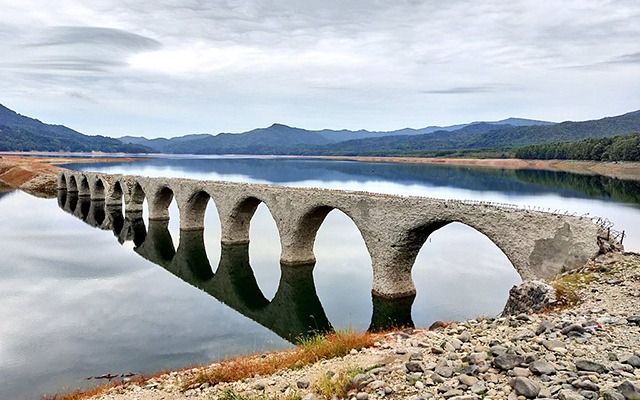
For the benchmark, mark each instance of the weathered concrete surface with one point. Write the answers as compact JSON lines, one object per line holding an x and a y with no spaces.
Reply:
{"x":394,"y":228}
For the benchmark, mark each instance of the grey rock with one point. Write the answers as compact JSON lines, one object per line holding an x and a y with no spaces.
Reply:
{"x":630,"y":391}
{"x":634,"y":320}
{"x":498,"y":350}
{"x":470,"y":370}
{"x":568,"y":394}
{"x":541,"y":367}
{"x":575,"y":329}
{"x":468,"y":380}
{"x":302,"y":384}
{"x":413,"y":366}
{"x":525,"y":387}
{"x":445,"y":372}
{"x":259,"y":386}
{"x":585,"y":385}
{"x":634,"y":361}
{"x":519,"y":371}
{"x":437,"y":350}
{"x":309,"y":396}
{"x":419,"y":385}
{"x":362,"y":396}
{"x":415,"y":356}
{"x":388,"y":390}
{"x":545,"y":326}
{"x":553,"y":344}
{"x":611,"y":395}
{"x":523,"y":334}
{"x":591,"y":366}
{"x":361,"y":380}
{"x":437,"y":378}
{"x":452,"y":393}
{"x":464,"y":337}
{"x":507,"y":361}
{"x":478,"y":388}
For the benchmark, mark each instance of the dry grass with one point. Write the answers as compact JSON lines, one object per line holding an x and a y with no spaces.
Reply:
{"x":337,"y":385}
{"x":309,"y":351}
{"x":81,"y":394}
{"x":567,"y":286}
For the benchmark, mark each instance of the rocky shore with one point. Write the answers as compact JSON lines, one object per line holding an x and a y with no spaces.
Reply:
{"x":590,"y":350}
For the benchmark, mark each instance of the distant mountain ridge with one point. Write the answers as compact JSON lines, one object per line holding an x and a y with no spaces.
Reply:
{"x":283,"y":139}
{"x":20,"y":133}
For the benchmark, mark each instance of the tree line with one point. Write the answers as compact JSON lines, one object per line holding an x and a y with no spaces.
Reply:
{"x":615,"y":148}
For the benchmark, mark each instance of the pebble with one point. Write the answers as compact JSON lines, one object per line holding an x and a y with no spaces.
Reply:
{"x":590,"y":351}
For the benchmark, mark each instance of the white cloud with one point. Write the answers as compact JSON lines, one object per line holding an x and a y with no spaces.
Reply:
{"x":235,"y":65}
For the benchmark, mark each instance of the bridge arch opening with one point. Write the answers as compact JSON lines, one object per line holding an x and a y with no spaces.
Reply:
{"x":162,"y":207}
{"x":459,"y":273}
{"x":135,"y":214}
{"x":343,"y":276}
{"x":264,"y":247}
{"x":202,"y":213}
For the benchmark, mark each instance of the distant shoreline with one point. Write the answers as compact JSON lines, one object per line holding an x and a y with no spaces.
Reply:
{"x":37,"y":173}
{"x":620,"y":170}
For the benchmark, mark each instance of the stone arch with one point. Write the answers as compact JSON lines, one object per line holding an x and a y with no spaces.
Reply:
{"x":83,"y":186}
{"x":98,"y":189}
{"x":62,"y":181}
{"x":299,"y":243}
{"x":115,"y":193}
{"x":136,"y":199}
{"x":192,"y":216}
{"x":72,"y":185}
{"x":159,"y":203}
{"x":237,"y":224}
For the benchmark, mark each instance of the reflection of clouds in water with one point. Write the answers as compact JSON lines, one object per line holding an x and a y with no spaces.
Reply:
{"x":460,"y":274}
{"x":72,"y":296}
{"x":343,"y":274}
{"x":264,"y":251}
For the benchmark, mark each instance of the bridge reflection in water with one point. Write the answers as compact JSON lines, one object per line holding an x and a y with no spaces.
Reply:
{"x":294,"y":312}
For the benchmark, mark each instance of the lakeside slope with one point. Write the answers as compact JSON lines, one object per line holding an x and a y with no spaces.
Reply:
{"x":587,"y":351}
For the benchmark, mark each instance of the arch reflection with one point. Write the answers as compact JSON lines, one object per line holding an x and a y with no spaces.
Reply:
{"x":295,"y":310}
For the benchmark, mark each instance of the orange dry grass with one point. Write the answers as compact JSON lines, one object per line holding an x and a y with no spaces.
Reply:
{"x":81,"y":394}
{"x":309,"y":351}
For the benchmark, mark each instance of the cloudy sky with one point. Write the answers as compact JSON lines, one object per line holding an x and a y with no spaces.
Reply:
{"x":173,"y":67}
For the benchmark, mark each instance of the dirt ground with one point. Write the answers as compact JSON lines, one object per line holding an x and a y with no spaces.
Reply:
{"x":620,"y":170}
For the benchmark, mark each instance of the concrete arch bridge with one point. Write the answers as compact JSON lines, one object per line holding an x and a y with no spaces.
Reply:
{"x":394,"y":228}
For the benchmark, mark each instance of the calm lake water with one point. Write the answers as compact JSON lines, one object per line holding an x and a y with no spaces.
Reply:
{"x":78,"y":303}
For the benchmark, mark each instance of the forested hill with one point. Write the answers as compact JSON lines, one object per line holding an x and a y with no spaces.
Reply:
{"x":471,"y":138}
{"x":616,"y":148}
{"x":20,"y":133}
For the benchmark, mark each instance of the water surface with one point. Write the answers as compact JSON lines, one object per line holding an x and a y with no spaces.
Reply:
{"x":76,"y":302}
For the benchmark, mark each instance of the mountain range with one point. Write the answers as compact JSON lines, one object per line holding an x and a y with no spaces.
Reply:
{"x":21,"y":133}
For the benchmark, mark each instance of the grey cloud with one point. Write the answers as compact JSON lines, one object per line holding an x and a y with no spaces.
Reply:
{"x":463,"y":90}
{"x":70,"y":64}
{"x":77,"y":35}
{"x":633,"y":58}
